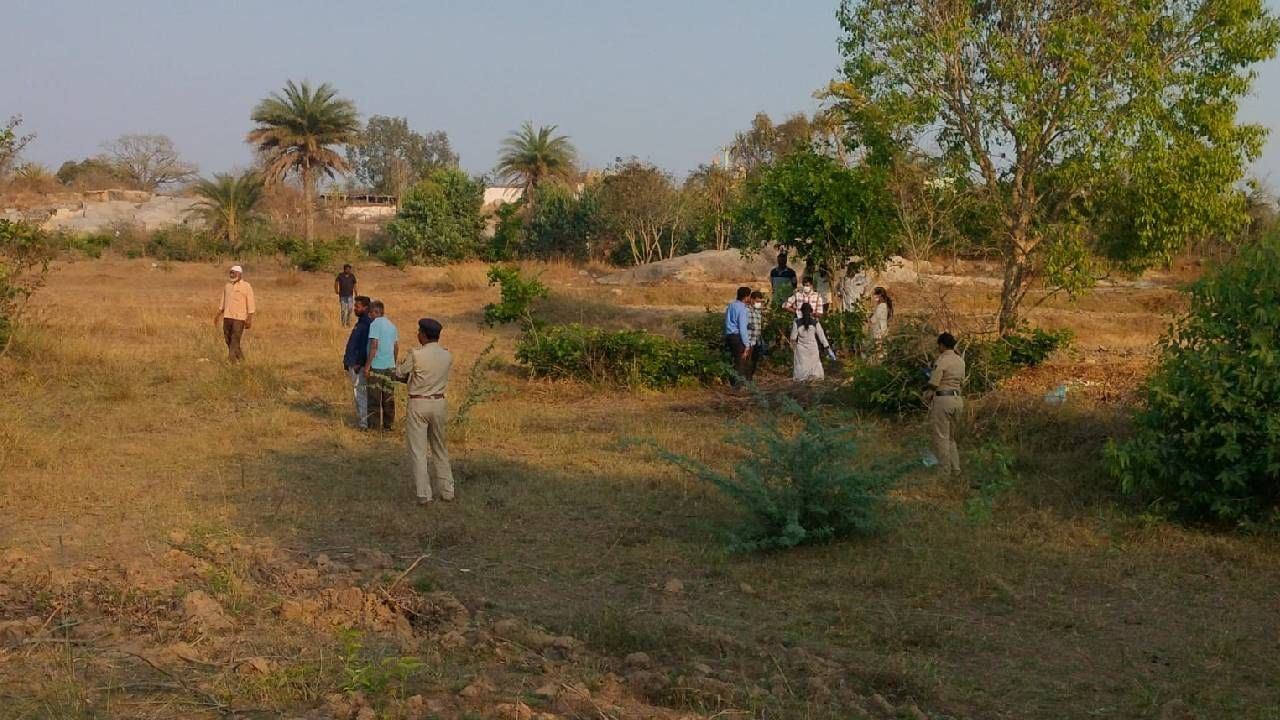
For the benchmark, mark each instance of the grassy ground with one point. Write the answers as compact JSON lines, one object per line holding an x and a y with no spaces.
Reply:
{"x":124,"y":436}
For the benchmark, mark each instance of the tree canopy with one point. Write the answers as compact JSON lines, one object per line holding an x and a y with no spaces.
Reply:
{"x":148,"y":161}
{"x":439,"y":219}
{"x":530,"y":156}
{"x":227,"y":203}
{"x":1099,"y":131}
{"x":809,"y":202}
{"x":388,"y":156}
{"x":297,"y":131}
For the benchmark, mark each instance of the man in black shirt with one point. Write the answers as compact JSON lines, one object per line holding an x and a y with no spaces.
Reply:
{"x":782,"y":278}
{"x":345,"y":286}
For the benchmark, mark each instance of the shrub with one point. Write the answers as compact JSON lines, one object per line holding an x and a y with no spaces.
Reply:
{"x":439,"y":219}
{"x":892,"y":384}
{"x":517,"y":296}
{"x":507,"y":229}
{"x":318,"y":255}
{"x":393,"y":256}
{"x":1207,"y":443}
{"x":1027,"y":348}
{"x":562,"y":223}
{"x":25,"y":252}
{"x":802,"y":479}
{"x":631,"y":358}
{"x":88,"y":244}
{"x":179,"y":243}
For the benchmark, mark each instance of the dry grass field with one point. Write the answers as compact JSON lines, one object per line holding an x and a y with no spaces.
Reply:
{"x":183,"y":538}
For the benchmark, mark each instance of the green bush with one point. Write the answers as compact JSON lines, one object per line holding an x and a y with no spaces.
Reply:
{"x":1027,"y":348}
{"x":802,"y":479}
{"x":318,"y":255}
{"x":517,"y":296}
{"x":562,"y":223}
{"x":632,"y":358}
{"x":439,"y":219}
{"x":507,"y":231}
{"x":179,"y":243}
{"x":892,"y":383}
{"x":88,"y":244}
{"x":1207,"y":443}
{"x":25,"y":253}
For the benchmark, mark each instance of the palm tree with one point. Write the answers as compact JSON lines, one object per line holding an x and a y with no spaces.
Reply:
{"x":227,"y":202}
{"x":532,"y":156}
{"x":296,"y":132}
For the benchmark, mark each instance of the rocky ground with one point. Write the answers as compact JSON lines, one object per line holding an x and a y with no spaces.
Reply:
{"x":239,"y":629}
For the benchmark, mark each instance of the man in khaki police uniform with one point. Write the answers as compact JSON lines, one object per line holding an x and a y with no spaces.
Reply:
{"x":426,"y":370}
{"x":235,"y":312}
{"x":945,"y":403}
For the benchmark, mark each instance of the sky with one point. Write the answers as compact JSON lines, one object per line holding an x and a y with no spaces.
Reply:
{"x":669,"y":81}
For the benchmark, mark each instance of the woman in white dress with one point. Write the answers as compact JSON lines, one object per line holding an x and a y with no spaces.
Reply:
{"x":807,"y":343}
{"x":854,"y":287}
{"x":881,"y":314}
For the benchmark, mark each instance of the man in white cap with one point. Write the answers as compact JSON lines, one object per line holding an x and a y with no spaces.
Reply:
{"x":235,"y":312}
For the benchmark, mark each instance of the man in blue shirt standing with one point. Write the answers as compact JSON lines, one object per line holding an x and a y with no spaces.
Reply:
{"x":384,"y":346}
{"x":354,"y":359}
{"x":737,"y":334}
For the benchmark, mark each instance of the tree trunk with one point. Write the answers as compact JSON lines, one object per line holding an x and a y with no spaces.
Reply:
{"x":1017,"y":275}
{"x":308,"y":206}
{"x":233,"y":233}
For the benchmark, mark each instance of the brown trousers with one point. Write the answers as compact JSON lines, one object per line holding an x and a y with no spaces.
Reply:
{"x":232,"y":331}
{"x":382,"y":400}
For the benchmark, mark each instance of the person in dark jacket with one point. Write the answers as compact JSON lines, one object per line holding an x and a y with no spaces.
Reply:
{"x":354,"y":360}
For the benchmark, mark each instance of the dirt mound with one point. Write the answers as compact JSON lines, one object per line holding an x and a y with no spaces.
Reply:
{"x":706,"y":266}
{"x":209,"y":624}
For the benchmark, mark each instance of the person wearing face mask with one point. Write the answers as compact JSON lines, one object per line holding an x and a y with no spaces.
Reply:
{"x":755,"y":332}
{"x":808,"y":342}
{"x":806,"y":294}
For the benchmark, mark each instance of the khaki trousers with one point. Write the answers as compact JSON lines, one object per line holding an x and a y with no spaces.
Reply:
{"x":424,"y":427}
{"x":944,"y":414}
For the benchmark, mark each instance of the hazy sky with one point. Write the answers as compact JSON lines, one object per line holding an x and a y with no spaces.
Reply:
{"x":666,"y":80}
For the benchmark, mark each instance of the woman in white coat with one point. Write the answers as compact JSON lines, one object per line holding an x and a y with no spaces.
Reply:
{"x":808,"y":341}
{"x":881,"y":314}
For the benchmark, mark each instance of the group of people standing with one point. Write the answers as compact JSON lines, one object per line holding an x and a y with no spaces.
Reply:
{"x":744,"y":324}
{"x":373,"y":364}
{"x":744,"y":318}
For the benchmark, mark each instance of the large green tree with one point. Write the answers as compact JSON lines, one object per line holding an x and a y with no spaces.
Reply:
{"x":439,"y":219}
{"x":1101,"y":132}
{"x":227,"y":203}
{"x":827,"y":211}
{"x":530,"y":156}
{"x":298,"y":131}
{"x":388,"y":156}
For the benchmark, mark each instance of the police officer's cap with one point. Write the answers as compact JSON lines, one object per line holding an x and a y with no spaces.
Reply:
{"x":429,"y":327}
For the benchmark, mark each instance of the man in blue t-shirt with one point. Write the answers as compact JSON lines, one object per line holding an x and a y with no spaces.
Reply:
{"x":356,"y":357}
{"x":737,"y":334}
{"x":384,"y":346}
